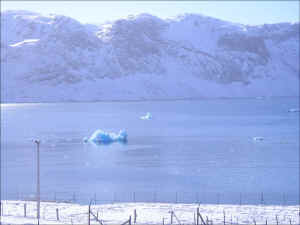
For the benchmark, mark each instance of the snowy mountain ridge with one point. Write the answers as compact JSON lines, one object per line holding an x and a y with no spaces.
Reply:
{"x":56,"y":58}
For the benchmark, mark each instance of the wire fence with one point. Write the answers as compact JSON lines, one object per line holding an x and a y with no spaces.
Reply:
{"x":259,"y":198}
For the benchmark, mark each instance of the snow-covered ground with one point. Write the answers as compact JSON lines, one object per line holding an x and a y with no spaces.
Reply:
{"x":148,"y":213}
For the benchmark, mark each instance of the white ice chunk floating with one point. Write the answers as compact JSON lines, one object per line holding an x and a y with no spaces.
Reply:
{"x":294,"y":110}
{"x":258,"y":138}
{"x":148,"y":116}
{"x":100,"y":136}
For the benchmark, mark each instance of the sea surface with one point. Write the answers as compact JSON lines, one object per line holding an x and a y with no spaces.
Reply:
{"x":190,"y":151}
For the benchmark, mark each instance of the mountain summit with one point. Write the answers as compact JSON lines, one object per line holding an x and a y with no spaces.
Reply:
{"x":56,"y":58}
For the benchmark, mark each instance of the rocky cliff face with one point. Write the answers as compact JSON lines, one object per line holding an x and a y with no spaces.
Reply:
{"x":55,"y":58}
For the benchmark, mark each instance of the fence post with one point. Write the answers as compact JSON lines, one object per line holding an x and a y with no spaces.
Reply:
{"x":129,"y":221}
{"x":25,"y":210}
{"x":163,"y":221}
{"x":202,"y":220}
{"x":266,"y":221}
{"x":114,"y":197}
{"x":224,"y":215}
{"x":74,"y":197}
{"x":172,"y":217}
{"x":197,"y":222}
{"x":262,"y":198}
{"x":135,"y":216}
{"x":290,"y":221}
{"x":57,"y":215}
{"x":276,"y":219}
{"x":254,"y":221}
{"x":89,"y":216}
{"x":154,"y":197}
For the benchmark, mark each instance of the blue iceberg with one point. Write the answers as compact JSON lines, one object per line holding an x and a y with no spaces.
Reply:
{"x":258,"y":139}
{"x":294,"y":110}
{"x":100,"y":136}
{"x":148,"y":116}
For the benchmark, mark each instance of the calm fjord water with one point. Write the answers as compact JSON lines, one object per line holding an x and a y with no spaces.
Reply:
{"x":203,"y":150}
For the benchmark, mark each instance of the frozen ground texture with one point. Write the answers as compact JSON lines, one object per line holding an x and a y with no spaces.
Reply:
{"x":56,"y":58}
{"x":147,"y":213}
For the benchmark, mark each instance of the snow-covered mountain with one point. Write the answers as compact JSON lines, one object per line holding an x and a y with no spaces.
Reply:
{"x":56,"y":58}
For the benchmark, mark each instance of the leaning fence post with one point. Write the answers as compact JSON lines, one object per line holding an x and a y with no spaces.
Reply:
{"x":25,"y":210}
{"x":202,"y":220}
{"x":57,"y":215}
{"x":135,"y":215}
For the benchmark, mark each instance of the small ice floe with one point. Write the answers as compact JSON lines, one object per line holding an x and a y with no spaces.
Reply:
{"x":294,"y":110}
{"x":102,"y":137}
{"x":148,"y":116}
{"x":258,"y":138}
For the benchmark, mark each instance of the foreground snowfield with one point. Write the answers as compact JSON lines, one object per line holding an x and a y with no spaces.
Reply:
{"x":148,"y":213}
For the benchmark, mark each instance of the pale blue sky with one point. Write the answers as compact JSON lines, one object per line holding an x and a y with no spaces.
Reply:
{"x":246,"y":12}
